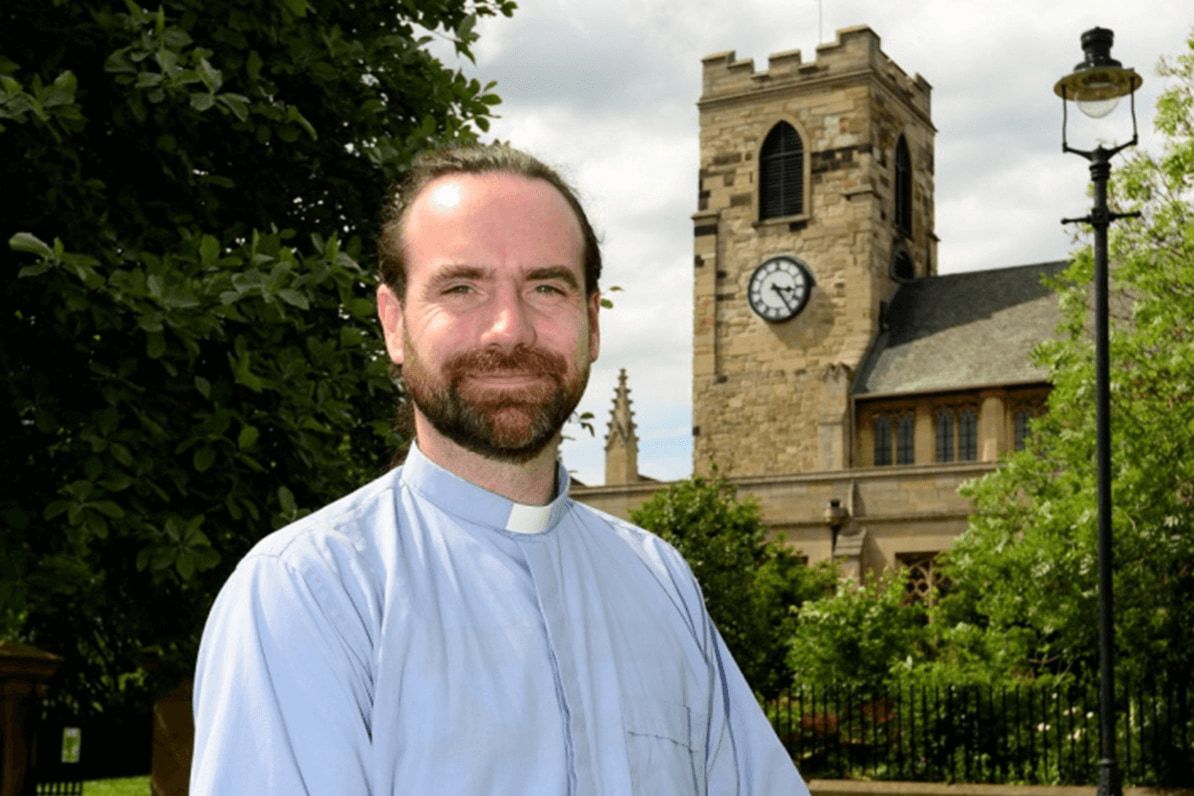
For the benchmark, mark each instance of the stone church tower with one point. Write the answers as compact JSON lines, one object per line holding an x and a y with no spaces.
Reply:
{"x":815,"y":203}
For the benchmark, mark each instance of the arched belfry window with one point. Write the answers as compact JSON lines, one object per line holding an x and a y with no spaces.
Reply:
{"x":781,"y":173}
{"x":903,"y":188}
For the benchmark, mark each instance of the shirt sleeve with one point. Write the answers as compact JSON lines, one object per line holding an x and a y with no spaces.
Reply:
{"x":744,"y":756}
{"x":282,"y":687}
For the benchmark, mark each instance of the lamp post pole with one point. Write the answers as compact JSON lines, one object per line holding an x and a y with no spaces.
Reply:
{"x":1096,"y":85}
{"x":1100,"y":219}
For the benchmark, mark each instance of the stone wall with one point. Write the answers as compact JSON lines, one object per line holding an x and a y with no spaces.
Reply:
{"x":893,"y":510}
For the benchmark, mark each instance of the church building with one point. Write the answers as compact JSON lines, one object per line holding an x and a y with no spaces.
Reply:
{"x":837,"y":378}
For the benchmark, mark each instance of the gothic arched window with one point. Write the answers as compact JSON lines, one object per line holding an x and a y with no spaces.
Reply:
{"x":903,"y":188}
{"x":781,"y":173}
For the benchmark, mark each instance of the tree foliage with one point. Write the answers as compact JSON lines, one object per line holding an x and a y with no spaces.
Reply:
{"x":187,"y":195}
{"x":1025,"y":598}
{"x":752,"y":586}
{"x":863,"y":634}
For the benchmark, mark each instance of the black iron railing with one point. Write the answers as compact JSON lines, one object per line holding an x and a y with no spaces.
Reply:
{"x":1022,"y":734}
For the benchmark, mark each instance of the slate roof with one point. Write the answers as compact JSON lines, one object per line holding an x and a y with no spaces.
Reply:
{"x":962,"y":330}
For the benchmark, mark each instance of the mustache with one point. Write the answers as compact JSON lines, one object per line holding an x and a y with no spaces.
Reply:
{"x":521,"y":359}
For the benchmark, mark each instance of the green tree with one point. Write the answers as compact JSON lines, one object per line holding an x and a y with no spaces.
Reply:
{"x":188,"y":194}
{"x":752,"y":586}
{"x":863,"y":635}
{"x":1025,"y":600}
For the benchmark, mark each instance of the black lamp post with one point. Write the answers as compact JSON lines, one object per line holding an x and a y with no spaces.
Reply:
{"x":1096,"y":85}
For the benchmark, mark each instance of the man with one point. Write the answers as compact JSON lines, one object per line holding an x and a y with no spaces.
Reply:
{"x":460,"y":626}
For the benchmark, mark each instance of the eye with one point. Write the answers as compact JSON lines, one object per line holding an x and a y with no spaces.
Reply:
{"x":458,"y":290}
{"x":549,"y":290}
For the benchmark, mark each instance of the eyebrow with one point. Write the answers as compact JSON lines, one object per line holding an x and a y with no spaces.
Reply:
{"x":555,"y":272}
{"x":457,"y":271}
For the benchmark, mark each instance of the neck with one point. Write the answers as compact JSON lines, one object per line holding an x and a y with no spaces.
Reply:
{"x":532,"y":482}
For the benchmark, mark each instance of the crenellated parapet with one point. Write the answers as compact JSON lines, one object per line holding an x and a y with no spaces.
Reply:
{"x":855,"y":50}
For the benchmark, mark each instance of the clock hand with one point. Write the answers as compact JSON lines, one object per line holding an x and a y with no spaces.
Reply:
{"x":783,"y":291}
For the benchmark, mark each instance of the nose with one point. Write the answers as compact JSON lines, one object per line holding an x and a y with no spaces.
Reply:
{"x":509,"y":324}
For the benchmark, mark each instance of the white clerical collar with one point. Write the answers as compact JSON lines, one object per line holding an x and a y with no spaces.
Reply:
{"x":477,"y":505}
{"x":528,"y":519}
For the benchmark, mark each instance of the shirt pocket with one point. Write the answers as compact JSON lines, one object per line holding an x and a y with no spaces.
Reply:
{"x":665,"y":744}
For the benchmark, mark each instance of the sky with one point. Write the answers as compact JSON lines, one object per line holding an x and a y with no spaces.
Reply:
{"x":606,"y":92}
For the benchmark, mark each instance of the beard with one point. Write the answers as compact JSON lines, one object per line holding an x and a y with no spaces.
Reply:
{"x":506,"y":424}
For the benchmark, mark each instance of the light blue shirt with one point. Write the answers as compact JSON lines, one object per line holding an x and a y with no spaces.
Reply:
{"x":425,"y":636}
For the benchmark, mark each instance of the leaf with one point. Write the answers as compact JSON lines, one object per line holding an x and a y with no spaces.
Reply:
{"x":116,"y":483}
{"x":121,"y":454}
{"x":210,"y":75}
{"x":253,"y":65}
{"x":109,"y":508}
{"x":118,"y":63}
{"x":203,"y":458}
{"x":33,"y":270}
{"x":203,"y":386}
{"x":294,"y":298}
{"x":247,"y":437}
{"x":286,"y":500}
{"x":61,"y":91}
{"x":294,"y":115}
{"x":464,"y":31}
{"x":361,"y":308}
{"x":97,"y":525}
{"x":185,"y":565}
{"x":296,"y":7}
{"x":205,"y":558}
{"x":148,"y":79}
{"x":237,"y":104}
{"x":244,"y":374}
{"x":28,"y":242}
{"x":180,"y":297}
{"x":202,"y":100}
{"x":155,"y":345}
{"x":55,"y":508}
{"x":209,"y":250}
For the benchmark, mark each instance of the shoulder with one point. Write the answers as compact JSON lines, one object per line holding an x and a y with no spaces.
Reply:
{"x":333,"y":553}
{"x":645,"y":543}
{"x":350,"y":524}
{"x":660,"y":557}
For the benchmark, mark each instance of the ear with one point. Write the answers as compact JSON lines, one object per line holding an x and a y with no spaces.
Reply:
{"x":594,"y":325}
{"x":389,"y":311}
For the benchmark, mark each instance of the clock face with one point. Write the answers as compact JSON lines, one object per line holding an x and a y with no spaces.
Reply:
{"x":779,"y":289}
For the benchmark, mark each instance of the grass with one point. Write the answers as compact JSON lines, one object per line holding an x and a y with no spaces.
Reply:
{"x":125,"y":786}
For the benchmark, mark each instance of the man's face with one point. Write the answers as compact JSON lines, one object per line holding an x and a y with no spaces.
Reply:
{"x":495,"y":335}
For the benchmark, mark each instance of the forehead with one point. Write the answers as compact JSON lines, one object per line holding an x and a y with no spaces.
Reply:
{"x":489,"y":219}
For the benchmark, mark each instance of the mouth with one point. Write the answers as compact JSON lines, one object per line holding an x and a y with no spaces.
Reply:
{"x":506,"y":378}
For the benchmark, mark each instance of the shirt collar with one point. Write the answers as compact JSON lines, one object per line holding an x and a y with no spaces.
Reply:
{"x":464,"y":499}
